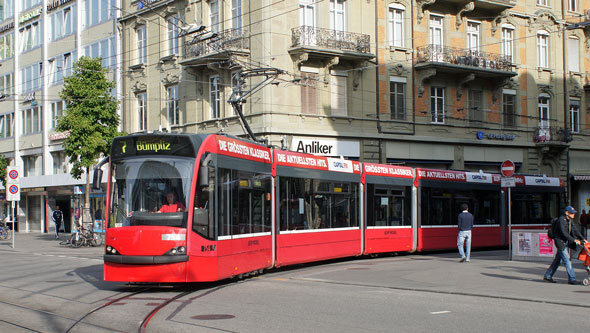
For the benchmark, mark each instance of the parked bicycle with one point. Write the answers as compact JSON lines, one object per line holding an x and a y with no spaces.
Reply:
{"x":5,"y":232}
{"x":83,"y":236}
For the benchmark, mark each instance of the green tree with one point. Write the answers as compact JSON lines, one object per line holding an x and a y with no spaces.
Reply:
{"x":3,"y":165}
{"x":90,"y":117}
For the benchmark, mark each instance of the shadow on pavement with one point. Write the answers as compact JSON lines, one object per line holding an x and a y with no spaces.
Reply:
{"x":93,"y":275}
{"x":512,"y":277}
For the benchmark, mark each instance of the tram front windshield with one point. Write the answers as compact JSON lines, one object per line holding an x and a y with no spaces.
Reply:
{"x":150,"y":191}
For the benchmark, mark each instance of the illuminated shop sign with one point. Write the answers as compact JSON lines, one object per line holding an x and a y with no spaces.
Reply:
{"x":55,"y":4}
{"x":492,"y":136}
{"x":7,"y":27}
{"x":59,"y":136}
{"x":30,"y":15}
{"x":29,"y":97}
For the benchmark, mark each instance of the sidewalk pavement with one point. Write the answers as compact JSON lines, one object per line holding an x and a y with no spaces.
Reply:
{"x":46,"y":243}
{"x":489,"y":274}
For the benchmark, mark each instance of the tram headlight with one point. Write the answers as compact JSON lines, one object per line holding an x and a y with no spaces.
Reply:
{"x":178,"y":250}
{"x":111,"y":250}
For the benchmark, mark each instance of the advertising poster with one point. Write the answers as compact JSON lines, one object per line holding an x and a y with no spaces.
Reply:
{"x":545,"y":246}
{"x":524,"y":244}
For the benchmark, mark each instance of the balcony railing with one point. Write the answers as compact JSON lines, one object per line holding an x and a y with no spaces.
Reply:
{"x":464,"y":57}
{"x":552,"y":135}
{"x":227,"y":40}
{"x":331,"y":39}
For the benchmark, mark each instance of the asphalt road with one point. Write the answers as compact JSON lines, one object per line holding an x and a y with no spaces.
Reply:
{"x":47,"y":288}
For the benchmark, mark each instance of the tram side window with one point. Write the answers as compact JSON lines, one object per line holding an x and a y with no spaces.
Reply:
{"x":118,"y":213}
{"x":442,"y":206}
{"x":535,"y":208}
{"x":436,"y":207}
{"x":315,"y":204}
{"x":204,"y":215}
{"x":485,"y":207}
{"x":244,"y":202}
{"x":387,"y":206}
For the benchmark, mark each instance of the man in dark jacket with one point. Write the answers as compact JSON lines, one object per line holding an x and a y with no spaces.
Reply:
{"x":57,"y":217}
{"x":566,"y":235}
{"x":465,"y":223}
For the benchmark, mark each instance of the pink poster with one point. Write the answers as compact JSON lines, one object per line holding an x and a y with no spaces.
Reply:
{"x":545,"y":245}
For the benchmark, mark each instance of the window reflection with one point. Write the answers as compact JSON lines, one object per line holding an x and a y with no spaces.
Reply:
{"x":442,"y":206}
{"x":315,"y":204}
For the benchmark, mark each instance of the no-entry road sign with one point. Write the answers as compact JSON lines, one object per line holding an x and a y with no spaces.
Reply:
{"x":507,"y":168}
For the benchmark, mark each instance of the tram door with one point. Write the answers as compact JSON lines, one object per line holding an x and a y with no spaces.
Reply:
{"x":389,"y":219}
{"x":386,"y":206}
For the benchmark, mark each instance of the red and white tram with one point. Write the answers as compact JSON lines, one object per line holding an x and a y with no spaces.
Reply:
{"x":318,"y":200}
{"x":442,"y":192}
{"x":190,"y":207}
{"x":536,"y":200}
{"x":390,"y":201}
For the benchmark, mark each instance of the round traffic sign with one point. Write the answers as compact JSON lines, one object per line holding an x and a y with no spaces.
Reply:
{"x":13,"y":189}
{"x":13,"y":174}
{"x":507,"y":168}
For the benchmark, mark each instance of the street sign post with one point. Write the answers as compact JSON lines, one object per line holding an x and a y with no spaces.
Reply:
{"x":13,"y":192}
{"x":507,"y":169}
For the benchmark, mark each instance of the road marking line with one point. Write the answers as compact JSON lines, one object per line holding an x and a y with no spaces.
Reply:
{"x":280,"y":279}
{"x":440,"y":312}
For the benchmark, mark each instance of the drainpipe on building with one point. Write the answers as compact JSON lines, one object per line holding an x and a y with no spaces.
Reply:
{"x":121,"y":46}
{"x":379,"y":131}
{"x":565,"y":117}
{"x":413,"y":77}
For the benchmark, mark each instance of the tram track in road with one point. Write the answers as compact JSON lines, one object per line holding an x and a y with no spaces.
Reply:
{"x":30,"y":310}
{"x":113,"y":301}
{"x":145,"y":322}
{"x":186,"y":290}
{"x":28,"y":329}
{"x":207,"y":288}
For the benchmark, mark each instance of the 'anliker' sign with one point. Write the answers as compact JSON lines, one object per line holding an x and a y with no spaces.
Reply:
{"x":326,"y":147}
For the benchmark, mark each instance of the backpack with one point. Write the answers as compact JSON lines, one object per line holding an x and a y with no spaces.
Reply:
{"x":57,"y":216}
{"x":552,"y":232}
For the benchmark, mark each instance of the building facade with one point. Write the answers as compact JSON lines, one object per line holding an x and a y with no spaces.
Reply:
{"x":446,"y":84}
{"x":40,"y":40}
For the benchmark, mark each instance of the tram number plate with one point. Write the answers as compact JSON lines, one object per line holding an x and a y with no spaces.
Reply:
{"x":207,"y":248}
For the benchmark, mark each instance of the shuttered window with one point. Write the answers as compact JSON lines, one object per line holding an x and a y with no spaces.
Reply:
{"x":308,"y":93}
{"x":573,"y":54}
{"x":475,"y":107}
{"x":338,"y":95}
